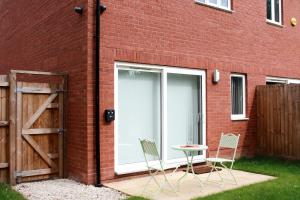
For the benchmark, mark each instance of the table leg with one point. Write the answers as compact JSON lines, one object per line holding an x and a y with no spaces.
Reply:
{"x":192,"y":169}
{"x":187,"y":169}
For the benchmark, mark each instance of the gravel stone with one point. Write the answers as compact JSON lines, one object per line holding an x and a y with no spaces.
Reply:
{"x":65,"y":189}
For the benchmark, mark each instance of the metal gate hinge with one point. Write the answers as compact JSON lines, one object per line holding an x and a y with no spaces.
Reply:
{"x":17,"y":174}
{"x":60,"y":90}
{"x":61,"y":131}
{"x":19,"y":90}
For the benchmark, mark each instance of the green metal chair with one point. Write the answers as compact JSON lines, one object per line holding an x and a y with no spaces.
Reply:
{"x":227,"y":141}
{"x":156,"y":165}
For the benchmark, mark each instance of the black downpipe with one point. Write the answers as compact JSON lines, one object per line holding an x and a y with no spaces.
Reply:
{"x":97,"y":93}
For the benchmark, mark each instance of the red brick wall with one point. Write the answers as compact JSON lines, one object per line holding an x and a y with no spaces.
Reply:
{"x":181,"y":33}
{"x":49,"y":36}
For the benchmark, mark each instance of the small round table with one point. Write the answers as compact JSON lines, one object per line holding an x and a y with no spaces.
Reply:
{"x":192,"y":149}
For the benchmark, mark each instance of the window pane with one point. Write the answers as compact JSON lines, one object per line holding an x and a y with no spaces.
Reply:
{"x":202,"y":1}
{"x":276,"y":2}
{"x":224,"y":3}
{"x":183,"y":108}
{"x":237,"y":95}
{"x":138,"y":113}
{"x":213,"y":1}
{"x":269,"y":10}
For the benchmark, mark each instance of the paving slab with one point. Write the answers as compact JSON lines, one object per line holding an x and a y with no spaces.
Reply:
{"x":189,"y":187}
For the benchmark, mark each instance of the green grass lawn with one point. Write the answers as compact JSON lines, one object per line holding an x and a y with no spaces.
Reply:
{"x":285,"y":187}
{"x":7,"y":193}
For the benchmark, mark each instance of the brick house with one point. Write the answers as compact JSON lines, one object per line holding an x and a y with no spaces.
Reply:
{"x":157,"y":65}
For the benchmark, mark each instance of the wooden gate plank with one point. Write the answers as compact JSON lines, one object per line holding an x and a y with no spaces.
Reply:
{"x":12,"y":128}
{"x":37,"y":73}
{"x":38,"y":131}
{"x":40,"y":111}
{"x":40,"y":151}
{"x":36,"y":172}
{"x":53,"y":155}
{"x":60,"y":136}
{"x":4,"y":84}
{"x":52,"y":105}
{"x":4,"y":123}
{"x":36,"y":90}
{"x":3,"y":165}
{"x":19,"y":125}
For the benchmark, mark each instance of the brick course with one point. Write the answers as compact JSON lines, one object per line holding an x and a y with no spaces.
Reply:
{"x":49,"y":35}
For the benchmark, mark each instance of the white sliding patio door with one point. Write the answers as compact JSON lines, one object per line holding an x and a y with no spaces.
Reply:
{"x":139,"y":113}
{"x":163,"y":104}
{"x":183,"y":112}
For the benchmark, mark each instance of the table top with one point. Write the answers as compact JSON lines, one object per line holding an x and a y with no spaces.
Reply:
{"x":190,"y":147}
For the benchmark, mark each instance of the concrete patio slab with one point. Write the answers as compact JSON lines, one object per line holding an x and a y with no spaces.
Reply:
{"x":189,"y":187}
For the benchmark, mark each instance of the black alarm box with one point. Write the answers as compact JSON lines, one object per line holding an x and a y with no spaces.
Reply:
{"x":109,"y":115}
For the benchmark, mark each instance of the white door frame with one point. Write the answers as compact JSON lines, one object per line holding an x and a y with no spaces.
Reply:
{"x":164,"y":70}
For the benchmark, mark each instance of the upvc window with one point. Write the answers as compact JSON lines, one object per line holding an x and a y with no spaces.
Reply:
{"x":224,"y":4}
{"x":274,"y":11}
{"x":279,"y":80}
{"x":238,"y":96}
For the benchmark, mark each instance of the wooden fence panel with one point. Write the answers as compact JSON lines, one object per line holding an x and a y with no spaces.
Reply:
{"x":4,"y":99}
{"x":278,"y":120}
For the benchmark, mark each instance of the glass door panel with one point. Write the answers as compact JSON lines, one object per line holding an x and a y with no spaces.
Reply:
{"x":183,"y":111}
{"x":139,"y":113}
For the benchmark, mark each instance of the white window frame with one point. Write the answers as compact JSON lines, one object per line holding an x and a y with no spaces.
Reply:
{"x":272,"y":20}
{"x":243,"y":115}
{"x":218,"y":5}
{"x":164,"y":70}
{"x":273,"y":79}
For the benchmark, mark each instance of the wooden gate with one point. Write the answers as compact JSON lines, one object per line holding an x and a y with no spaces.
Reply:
{"x":36,"y":127}
{"x":39,"y":128}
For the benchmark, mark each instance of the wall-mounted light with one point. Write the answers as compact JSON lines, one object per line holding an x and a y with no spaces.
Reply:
{"x":78,"y":9}
{"x":216,"y":76}
{"x":294,"y":21}
{"x":102,"y":8}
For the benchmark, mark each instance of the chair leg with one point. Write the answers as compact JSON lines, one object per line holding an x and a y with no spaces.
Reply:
{"x":217,"y":171}
{"x":229,"y":170}
{"x":149,"y":180}
{"x":175,"y":169}
{"x":160,"y":186}
{"x":170,"y":185}
{"x":212,"y":169}
{"x":220,"y":175}
{"x":232,"y":173}
{"x":155,"y":180}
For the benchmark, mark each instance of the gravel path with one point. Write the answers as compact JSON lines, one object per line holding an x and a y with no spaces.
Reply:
{"x":64,"y":189}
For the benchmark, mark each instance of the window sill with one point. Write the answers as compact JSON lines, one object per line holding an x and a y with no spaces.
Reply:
{"x":274,"y":23}
{"x":240,"y":119}
{"x":214,"y":7}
